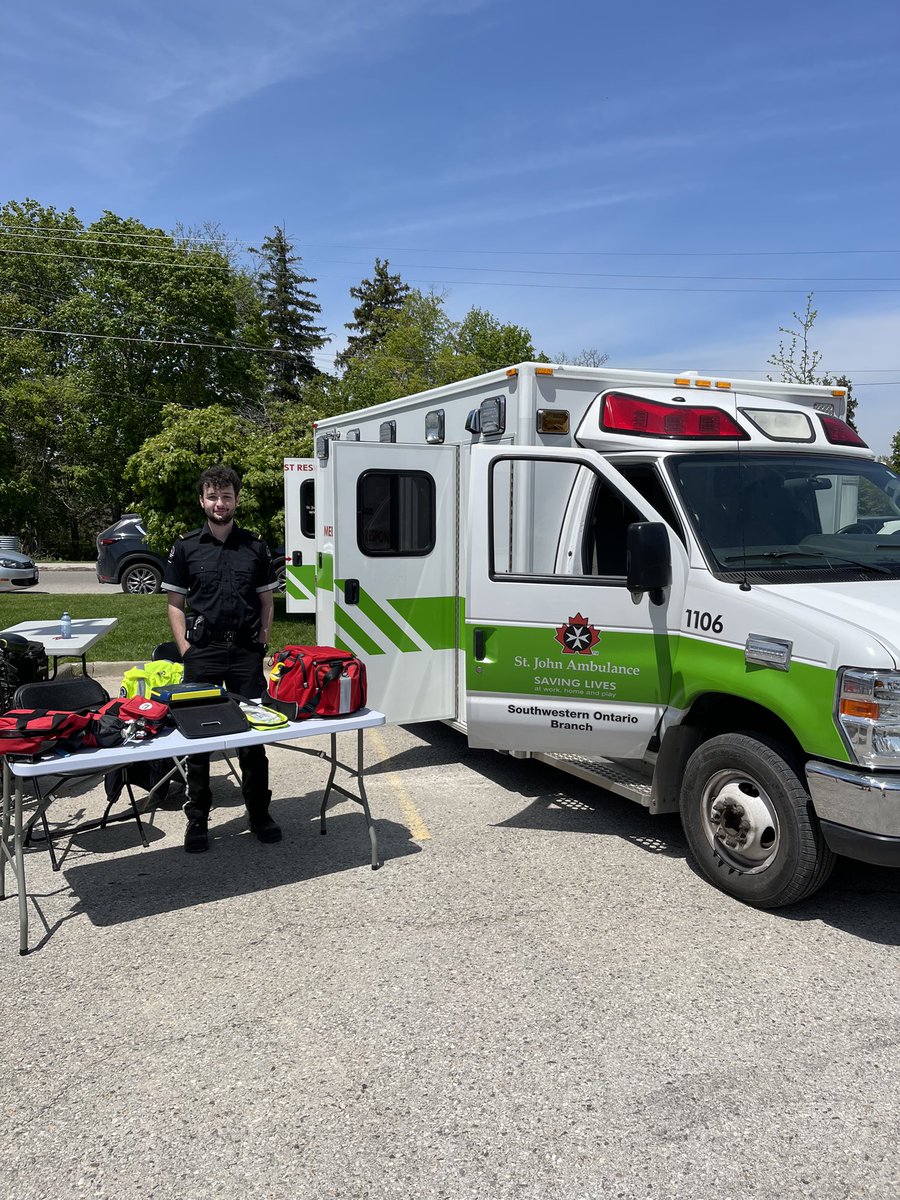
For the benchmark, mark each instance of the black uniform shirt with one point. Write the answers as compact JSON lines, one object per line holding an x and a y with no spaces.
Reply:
{"x":222,"y":581}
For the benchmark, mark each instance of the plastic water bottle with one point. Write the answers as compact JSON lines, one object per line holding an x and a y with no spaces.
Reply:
{"x":65,"y":626}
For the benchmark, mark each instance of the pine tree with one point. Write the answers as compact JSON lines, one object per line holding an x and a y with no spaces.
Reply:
{"x":380,"y":298}
{"x":290,"y":309}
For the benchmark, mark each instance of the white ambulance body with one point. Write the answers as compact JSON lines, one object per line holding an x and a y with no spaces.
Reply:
{"x":684,"y":588}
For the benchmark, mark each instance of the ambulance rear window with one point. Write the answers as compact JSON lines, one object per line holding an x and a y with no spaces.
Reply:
{"x":395,"y":513}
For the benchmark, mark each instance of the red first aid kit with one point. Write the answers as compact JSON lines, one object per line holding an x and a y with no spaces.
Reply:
{"x":316,"y":681}
{"x":33,"y":732}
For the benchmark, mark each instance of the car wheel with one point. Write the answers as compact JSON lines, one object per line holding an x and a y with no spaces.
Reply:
{"x":749,"y":821}
{"x":141,"y":579}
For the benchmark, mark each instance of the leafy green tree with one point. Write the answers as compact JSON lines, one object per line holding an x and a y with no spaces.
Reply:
{"x":424,"y":348}
{"x":380,"y":299}
{"x":798,"y":362}
{"x":290,"y":310}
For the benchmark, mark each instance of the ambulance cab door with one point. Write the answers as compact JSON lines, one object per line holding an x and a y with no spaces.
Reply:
{"x":395,"y":543}
{"x":560,"y":656}
{"x":300,"y":535}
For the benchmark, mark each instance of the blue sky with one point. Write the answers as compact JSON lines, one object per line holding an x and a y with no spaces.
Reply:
{"x":662,"y":182}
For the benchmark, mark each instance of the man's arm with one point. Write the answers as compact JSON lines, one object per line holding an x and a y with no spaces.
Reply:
{"x":266,"y":613}
{"x":177,"y":622}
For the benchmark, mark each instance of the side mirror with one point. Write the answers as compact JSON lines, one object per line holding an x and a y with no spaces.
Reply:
{"x":648,"y":559}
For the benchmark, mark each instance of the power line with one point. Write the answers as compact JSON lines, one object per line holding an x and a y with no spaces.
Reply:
{"x":148,"y":341}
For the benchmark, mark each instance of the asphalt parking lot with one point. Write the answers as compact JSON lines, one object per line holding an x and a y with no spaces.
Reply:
{"x":535,"y":997}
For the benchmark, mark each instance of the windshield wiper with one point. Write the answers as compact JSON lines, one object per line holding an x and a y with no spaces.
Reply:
{"x":776,"y":554}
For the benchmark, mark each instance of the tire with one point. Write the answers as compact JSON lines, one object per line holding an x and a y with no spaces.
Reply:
{"x":141,"y":579}
{"x":749,"y":821}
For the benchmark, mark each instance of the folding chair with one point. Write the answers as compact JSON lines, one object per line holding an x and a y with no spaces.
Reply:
{"x":81,"y":693}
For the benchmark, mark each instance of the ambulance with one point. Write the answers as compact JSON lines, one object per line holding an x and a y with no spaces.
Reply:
{"x":682,"y":587}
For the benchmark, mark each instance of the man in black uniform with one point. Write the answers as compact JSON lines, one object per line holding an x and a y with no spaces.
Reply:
{"x":227,"y":577}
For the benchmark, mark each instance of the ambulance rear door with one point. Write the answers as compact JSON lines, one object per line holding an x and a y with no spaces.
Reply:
{"x":396,"y":540}
{"x":300,"y":535}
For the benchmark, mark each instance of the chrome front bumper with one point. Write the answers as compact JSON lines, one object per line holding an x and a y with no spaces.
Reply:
{"x":859,"y":811}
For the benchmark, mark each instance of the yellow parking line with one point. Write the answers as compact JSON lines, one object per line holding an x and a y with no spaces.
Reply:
{"x":417,"y":827}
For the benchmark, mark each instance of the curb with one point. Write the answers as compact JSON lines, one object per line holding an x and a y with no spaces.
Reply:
{"x":65,"y":566}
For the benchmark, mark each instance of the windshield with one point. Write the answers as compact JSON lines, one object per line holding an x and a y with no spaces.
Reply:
{"x":773,"y":514}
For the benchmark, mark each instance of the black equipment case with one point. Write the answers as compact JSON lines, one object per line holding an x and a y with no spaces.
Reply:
{"x":21,"y":661}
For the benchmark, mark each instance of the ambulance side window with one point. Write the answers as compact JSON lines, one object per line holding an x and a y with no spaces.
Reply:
{"x":556,"y":519}
{"x":644,"y":479}
{"x":395,"y":513}
{"x":308,"y":508}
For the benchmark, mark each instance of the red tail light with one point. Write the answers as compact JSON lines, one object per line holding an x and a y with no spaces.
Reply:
{"x":647,"y":418}
{"x":839,"y":433}
{"x":107,"y":541}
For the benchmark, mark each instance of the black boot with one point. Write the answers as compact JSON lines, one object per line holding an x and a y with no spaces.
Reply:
{"x":197,"y":833}
{"x":264,"y":827}
{"x":196,"y":836}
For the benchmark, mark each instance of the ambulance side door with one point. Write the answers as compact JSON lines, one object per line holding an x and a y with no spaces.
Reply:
{"x":560,"y":656}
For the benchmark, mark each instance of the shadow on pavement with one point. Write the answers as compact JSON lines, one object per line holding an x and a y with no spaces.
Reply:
{"x":113,"y":891}
{"x":860,"y":899}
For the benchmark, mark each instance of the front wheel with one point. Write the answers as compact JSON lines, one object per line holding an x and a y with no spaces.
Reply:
{"x":749,"y":822}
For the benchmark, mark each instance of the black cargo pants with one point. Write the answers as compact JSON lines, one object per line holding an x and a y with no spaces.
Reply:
{"x":240,"y":669}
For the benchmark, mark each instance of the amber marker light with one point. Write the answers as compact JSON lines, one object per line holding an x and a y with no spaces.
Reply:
{"x":859,"y":708}
{"x":683,"y":381}
{"x":703,"y":382}
{"x":723,"y":383}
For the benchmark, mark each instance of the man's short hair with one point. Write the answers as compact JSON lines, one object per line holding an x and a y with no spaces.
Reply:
{"x":219,"y":476}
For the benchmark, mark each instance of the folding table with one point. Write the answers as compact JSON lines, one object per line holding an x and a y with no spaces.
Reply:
{"x":14,"y":828}
{"x":86,"y":633}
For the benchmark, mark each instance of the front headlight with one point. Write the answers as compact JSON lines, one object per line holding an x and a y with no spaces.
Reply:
{"x":869,"y":714}
{"x":11,"y":564}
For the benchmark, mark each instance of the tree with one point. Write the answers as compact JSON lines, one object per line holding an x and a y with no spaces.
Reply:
{"x":108,"y":324}
{"x":425,"y":348}
{"x":588,"y":357}
{"x":380,"y":299}
{"x":798,"y":362}
{"x":290,"y":310}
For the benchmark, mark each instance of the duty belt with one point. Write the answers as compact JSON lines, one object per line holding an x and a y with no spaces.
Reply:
{"x":226,"y":635}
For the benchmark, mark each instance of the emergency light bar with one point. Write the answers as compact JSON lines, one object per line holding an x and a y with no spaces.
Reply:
{"x":649,"y":418}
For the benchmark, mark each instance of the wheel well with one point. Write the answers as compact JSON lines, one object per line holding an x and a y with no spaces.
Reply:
{"x":139,"y":560}
{"x":710,"y":715}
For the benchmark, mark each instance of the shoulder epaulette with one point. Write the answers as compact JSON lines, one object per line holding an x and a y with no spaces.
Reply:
{"x":190,"y":533}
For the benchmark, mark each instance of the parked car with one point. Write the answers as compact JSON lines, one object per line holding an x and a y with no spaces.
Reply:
{"x":17,"y":571}
{"x":123,"y":557}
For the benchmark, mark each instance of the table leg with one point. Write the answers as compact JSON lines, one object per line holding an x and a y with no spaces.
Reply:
{"x":20,"y":874}
{"x":4,"y":831}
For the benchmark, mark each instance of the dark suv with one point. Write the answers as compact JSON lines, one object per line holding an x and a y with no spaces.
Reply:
{"x":124,"y":557}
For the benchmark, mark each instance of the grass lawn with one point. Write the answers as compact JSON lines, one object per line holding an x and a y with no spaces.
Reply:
{"x":143,"y":623}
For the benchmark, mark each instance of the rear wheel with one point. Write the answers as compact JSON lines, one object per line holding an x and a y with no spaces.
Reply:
{"x":749,"y":821}
{"x":141,"y":579}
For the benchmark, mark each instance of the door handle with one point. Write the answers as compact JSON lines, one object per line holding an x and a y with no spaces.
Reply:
{"x":297,"y":558}
{"x":479,"y":647}
{"x":351,"y":591}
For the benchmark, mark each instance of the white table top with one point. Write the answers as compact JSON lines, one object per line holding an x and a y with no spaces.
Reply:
{"x":86,"y":632}
{"x":173,"y":744}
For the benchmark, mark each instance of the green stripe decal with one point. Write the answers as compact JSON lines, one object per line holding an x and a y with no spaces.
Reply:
{"x":645,"y":668}
{"x":326,"y":572}
{"x":379,"y":618}
{"x":342,"y":645}
{"x":432,"y":617}
{"x":301,"y":582}
{"x":350,"y":627}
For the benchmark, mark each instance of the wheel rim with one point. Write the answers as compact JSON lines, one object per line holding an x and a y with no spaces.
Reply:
{"x":141,"y":580}
{"x":740,"y":821}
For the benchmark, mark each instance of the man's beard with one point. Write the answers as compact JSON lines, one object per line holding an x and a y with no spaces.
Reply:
{"x":214,"y":520}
